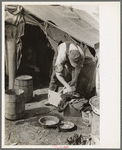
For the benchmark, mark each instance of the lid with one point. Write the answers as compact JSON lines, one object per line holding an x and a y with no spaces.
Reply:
{"x":24,"y":77}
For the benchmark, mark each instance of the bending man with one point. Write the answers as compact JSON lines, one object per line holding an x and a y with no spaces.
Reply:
{"x":71,"y":57}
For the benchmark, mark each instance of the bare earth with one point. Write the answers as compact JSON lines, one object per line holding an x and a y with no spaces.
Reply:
{"x":28,"y":131}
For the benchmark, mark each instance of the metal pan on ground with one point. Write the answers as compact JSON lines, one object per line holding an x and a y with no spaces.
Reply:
{"x":66,"y":125}
{"x":49,"y":121}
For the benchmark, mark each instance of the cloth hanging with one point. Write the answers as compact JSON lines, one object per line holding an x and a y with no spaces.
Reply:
{"x":14,"y":28}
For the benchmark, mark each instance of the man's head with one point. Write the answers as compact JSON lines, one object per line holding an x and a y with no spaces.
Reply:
{"x":76,"y":57}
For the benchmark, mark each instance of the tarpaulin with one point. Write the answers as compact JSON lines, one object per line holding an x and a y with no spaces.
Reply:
{"x":13,"y":14}
{"x":77,"y":23}
{"x":55,"y":35}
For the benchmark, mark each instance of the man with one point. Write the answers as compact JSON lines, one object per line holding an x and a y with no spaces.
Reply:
{"x":71,"y":57}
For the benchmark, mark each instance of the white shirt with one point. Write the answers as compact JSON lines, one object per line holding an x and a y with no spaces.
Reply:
{"x":62,"y":57}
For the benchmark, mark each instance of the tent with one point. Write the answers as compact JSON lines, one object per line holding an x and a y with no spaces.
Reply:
{"x":59,"y":23}
{"x":78,"y":23}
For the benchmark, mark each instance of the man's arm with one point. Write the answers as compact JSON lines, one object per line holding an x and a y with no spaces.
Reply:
{"x":61,"y":79}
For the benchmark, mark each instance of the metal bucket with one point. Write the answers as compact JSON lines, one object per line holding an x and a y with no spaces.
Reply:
{"x":54,"y":97}
{"x":95,"y":120}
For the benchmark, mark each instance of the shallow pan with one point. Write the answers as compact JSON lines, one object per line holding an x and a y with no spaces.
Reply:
{"x":66,"y":125}
{"x":49,"y":121}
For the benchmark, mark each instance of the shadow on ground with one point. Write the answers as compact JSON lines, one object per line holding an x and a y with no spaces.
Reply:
{"x":33,"y":115}
{"x":38,"y":98}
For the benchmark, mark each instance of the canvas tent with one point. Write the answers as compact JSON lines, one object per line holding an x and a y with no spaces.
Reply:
{"x":58,"y":22}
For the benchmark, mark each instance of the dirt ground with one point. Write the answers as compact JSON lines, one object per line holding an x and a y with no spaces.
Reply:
{"x":28,"y":130}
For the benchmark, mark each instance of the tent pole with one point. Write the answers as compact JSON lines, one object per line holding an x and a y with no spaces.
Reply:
{"x":11,"y":48}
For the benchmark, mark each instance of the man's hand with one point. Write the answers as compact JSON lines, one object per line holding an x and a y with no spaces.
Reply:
{"x":69,"y":89}
{"x":72,"y":83}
